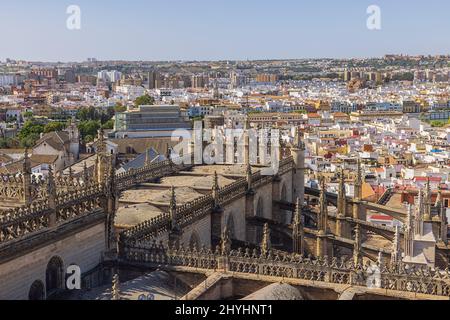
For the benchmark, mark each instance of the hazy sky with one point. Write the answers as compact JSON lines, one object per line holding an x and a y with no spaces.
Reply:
{"x":220,"y":29}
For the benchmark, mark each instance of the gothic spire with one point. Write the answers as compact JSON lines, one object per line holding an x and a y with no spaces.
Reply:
{"x":396,"y":254}
{"x":298,"y":213}
{"x":26,"y":163}
{"x":298,"y":143}
{"x":359,"y":180}
{"x":439,"y":201}
{"x":225,"y":241}
{"x":168,"y":153}
{"x":173,"y":206}
{"x":112,"y":176}
{"x":26,"y":175}
{"x":85,"y":173}
{"x":357,"y":245}
{"x":409,"y":232}
{"x":51,"y":187}
{"x":70,"y":173}
{"x":297,"y":230}
{"x":215,"y":189}
{"x":323,"y":207}
{"x":419,"y":215}
{"x":342,"y":194}
{"x":380,"y":258}
{"x":115,"y":290}
{"x":266,"y":245}
{"x":101,"y":145}
{"x":427,"y":200}
{"x":249,"y":176}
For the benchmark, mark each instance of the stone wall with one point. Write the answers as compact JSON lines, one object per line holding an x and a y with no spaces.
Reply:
{"x":202,"y":228}
{"x":84,"y":249}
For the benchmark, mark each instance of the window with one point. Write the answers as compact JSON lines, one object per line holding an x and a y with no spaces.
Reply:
{"x":54,"y":275}
{"x":36,"y":291}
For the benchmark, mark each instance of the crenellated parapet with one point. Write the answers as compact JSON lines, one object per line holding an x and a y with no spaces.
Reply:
{"x":395,"y":277}
{"x":19,"y":222}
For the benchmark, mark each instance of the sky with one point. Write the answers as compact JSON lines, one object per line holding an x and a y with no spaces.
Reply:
{"x":220,"y":29}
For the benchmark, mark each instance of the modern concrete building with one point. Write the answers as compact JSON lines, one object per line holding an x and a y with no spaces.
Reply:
{"x":150,"y":121}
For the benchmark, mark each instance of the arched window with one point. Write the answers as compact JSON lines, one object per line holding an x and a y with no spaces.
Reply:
{"x":283,"y":195}
{"x":194,"y":242}
{"x":260,"y":208}
{"x":259,"y":213}
{"x":54,"y":275}
{"x":230,"y":226}
{"x":36,"y":291}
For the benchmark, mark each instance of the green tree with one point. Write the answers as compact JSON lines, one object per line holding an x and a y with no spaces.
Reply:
{"x":88,"y":139}
{"x":108,"y":124}
{"x":54,"y":126}
{"x":85,"y":114}
{"x":28,"y":114}
{"x":437,"y":124}
{"x":144,"y":100}
{"x":29,"y":141}
{"x":120,"y":107}
{"x":6,"y":143}
{"x":89,"y":128}
{"x":30,"y":133}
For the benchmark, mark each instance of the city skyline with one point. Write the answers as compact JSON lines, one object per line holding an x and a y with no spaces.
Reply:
{"x":210,"y":31}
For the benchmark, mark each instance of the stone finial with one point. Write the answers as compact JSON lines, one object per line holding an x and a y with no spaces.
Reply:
{"x":357,"y":245}
{"x":51,"y":187}
{"x":215,"y":189}
{"x":225,"y":241}
{"x":26,"y":163}
{"x":168,"y":153}
{"x":420,"y":201}
{"x":112,"y":176}
{"x":409,"y":232}
{"x":342,"y":206}
{"x":249,"y":176}
{"x":173,"y":208}
{"x":419,"y":212}
{"x":323,"y":207}
{"x":101,"y":144}
{"x":427,"y":200}
{"x":115,"y":290}
{"x":396,"y":254}
{"x":85,"y":173}
{"x":70,"y":173}
{"x":359,"y":177}
{"x":298,"y":143}
{"x":439,"y":200}
{"x":297,"y":230}
{"x":298,"y":213}
{"x":266,"y":245}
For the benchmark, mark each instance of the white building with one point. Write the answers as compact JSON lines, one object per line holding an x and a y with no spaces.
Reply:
{"x":109,"y":76}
